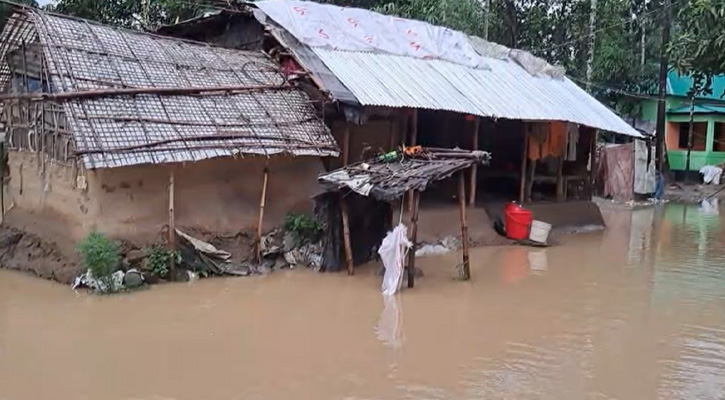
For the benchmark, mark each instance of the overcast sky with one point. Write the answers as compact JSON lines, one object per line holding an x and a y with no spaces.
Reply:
{"x":44,"y":2}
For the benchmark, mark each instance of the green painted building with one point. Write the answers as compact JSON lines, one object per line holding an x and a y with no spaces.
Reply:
{"x":709,"y":123}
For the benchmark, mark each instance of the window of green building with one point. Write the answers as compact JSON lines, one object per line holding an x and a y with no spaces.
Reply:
{"x":699,"y":136}
{"x":719,"y":144}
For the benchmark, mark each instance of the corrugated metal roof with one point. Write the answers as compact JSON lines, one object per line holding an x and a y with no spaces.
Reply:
{"x":680,"y":85}
{"x":504,"y":91}
{"x":699,"y":109}
{"x":119,"y":130}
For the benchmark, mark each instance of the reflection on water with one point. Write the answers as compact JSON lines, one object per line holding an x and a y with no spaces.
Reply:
{"x":390,"y":326}
{"x":632,"y":312}
{"x":538,"y":263}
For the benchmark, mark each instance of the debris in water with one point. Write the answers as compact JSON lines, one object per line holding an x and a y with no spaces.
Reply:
{"x":133,"y":278}
{"x":432,"y":250}
{"x":308,"y":255}
{"x":193,"y":276}
{"x":87,"y":280}
{"x":271,"y":243}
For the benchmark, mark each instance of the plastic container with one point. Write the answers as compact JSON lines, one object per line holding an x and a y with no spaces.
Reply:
{"x":539,"y":231}
{"x":518,"y":220}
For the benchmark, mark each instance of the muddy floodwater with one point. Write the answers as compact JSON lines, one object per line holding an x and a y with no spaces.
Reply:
{"x":633,"y":312}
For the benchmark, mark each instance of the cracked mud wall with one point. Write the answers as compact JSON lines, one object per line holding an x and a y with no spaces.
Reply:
{"x":219,"y":195}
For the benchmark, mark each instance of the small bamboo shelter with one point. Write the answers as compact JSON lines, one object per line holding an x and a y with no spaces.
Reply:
{"x":97,"y":99}
{"x":387,"y":179}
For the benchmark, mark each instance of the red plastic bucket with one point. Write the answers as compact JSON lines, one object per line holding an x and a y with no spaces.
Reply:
{"x":518,"y":220}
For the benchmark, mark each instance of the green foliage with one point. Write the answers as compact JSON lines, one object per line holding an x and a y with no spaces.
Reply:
{"x":6,"y":10}
{"x":627,"y":45}
{"x":305,"y":228}
{"x":698,"y":43}
{"x":133,"y":14}
{"x":101,"y":256}
{"x":159,"y":259}
{"x":462,"y":15}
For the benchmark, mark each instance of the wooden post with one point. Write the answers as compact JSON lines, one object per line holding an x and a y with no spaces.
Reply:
{"x":262,"y":204}
{"x":594,"y":133}
{"x":413,"y":238}
{"x":2,"y":182}
{"x":394,"y":128}
{"x":346,"y":236}
{"x":392,"y":214}
{"x":413,"y":141}
{"x":464,"y":224}
{"x":172,"y":223}
{"x":560,"y":193}
{"x":524,"y":157}
{"x":414,"y":127}
{"x":530,"y":183}
{"x":474,"y":168}
{"x":346,"y":144}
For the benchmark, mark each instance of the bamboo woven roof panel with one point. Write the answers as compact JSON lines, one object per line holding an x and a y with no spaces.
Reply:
{"x":389,"y":180}
{"x":266,"y":116}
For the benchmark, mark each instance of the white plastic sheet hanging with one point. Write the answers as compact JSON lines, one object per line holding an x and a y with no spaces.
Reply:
{"x":392,"y":252}
{"x":354,"y":29}
{"x":645,"y":175}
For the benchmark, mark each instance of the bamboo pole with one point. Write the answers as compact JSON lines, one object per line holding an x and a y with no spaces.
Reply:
{"x":474,"y":169}
{"x":148,"y":147}
{"x":524,"y":157}
{"x":135,"y":91}
{"x":413,"y":238}
{"x":690,"y":138}
{"x":464,"y":224}
{"x":346,"y":236}
{"x":413,"y":141}
{"x":346,"y":145}
{"x":172,"y":223}
{"x":262,"y":204}
{"x":530,"y":183}
{"x":560,"y":196}
{"x":222,"y":127}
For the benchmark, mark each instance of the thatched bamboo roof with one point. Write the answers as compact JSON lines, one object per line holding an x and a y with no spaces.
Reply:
{"x":387,"y":179}
{"x":134,"y":98}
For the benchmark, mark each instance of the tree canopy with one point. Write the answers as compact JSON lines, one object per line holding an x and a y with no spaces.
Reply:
{"x":699,"y":44}
{"x":627,"y":32}
{"x":139,"y":14}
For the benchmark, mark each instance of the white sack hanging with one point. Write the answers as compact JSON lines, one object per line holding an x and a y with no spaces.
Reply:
{"x":392,"y":252}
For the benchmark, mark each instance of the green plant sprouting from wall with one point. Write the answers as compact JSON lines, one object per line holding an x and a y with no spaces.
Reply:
{"x":304,"y":228}
{"x":159,"y":260}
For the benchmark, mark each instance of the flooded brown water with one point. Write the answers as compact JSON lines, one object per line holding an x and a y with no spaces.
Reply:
{"x":634,"y":312}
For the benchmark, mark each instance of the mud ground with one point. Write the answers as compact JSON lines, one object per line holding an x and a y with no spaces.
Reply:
{"x":27,"y":248}
{"x":27,"y":252}
{"x":693,"y":192}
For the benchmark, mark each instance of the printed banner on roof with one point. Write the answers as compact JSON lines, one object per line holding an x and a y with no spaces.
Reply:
{"x":354,"y":29}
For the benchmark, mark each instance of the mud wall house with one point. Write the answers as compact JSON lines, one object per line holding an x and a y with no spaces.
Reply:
{"x":98,"y":120}
{"x":708,"y":144}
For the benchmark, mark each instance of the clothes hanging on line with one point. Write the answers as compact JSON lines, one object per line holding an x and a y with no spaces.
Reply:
{"x":537,"y":134}
{"x":557,"y":138}
{"x":546,"y":139}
